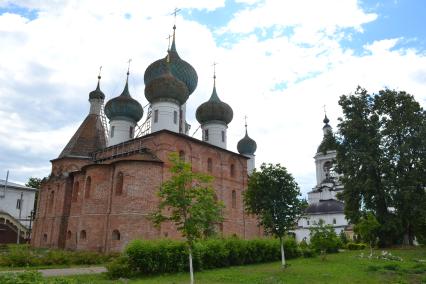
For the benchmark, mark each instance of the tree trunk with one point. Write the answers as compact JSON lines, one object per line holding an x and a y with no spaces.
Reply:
{"x":282,"y":253}
{"x":191,"y":270}
{"x":371,"y":249}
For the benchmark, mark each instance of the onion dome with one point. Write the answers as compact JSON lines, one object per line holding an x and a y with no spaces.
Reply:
{"x":124,"y":106}
{"x":328,"y":142}
{"x":327,"y":126}
{"x":166,"y":87}
{"x":214,"y":109}
{"x":246,"y":146}
{"x":181,"y":69}
{"x":97,"y":94}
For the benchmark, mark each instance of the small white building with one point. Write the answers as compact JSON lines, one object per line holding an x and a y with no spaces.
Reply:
{"x":322,"y":200}
{"x":16,"y":205}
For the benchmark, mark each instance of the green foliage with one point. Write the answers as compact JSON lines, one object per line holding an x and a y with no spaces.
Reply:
{"x":323,"y":238}
{"x":381,"y":155}
{"x":273,"y":195}
{"x":34,"y":182}
{"x":328,"y":142}
{"x":191,"y":201}
{"x":343,"y":238}
{"x":368,"y":228}
{"x":168,"y":256}
{"x":31,"y":277}
{"x":355,"y":246}
{"x":24,"y":256}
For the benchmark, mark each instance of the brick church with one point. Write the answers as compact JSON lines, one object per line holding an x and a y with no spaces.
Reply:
{"x":104,"y":183}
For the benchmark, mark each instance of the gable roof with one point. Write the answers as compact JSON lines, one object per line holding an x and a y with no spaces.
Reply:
{"x":88,"y":138}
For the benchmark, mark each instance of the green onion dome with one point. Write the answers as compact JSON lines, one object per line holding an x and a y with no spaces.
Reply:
{"x":246,"y":146}
{"x":124,"y":107}
{"x":178,"y":67}
{"x":214,"y":110}
{"x":166,"y":87}
{"x":97,"y":94}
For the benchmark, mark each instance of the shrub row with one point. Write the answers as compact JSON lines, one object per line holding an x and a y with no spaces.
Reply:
{"x":24,"y":255}
{"x":31,"y":277}
{"x":168,"y":256}
{"x":355,"y":246}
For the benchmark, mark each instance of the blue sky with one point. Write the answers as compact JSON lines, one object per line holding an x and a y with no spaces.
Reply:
{"x":280,"y":62}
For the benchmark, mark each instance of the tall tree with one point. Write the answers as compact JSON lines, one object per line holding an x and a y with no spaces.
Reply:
{"x":382,"y":158}
{"x":273,"y":195}
{"x":191,"y":201}
{"x":34,"y":182}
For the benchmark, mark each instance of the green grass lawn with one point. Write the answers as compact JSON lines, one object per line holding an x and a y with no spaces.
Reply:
{"x":344,"y":267}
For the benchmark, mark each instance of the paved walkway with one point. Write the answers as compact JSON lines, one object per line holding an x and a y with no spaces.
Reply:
{"x":66,"y":271}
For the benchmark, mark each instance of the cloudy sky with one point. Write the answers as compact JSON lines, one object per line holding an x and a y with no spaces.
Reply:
{"x":279,"y":61}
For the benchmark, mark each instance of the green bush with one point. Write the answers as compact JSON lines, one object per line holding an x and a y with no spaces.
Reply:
{"x":307,"y":252}
{"x":167,"y":256}
{"x":355,"y":246}
{"x":119,"y":267}
{"x":324,"y":238}
{"x":21,"y":278}
{"x":24,"y":256}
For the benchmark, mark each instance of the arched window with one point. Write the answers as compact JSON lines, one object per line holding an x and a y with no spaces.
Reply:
{"x":327,"y":168}
{"x":76,"y":191}
{"x":88,"y":187}
{"x":51,"y":200}
{"x":175,"y":117}
{"x":209,"y":165}
{"x":116,"y":235}
{"x":45,"y":238}
{"x":131,"y":132}
{"x":334,"y":221}
{"x":112,"y":131}
{"x":156,"y":116}
{"x":69,"y":234}
{"x":82,"y":235}
{"x":119,"y":184}
{"x":232,"y":170}
{"x":182,"y":155}
{"x":307,"y":222}
{"x":223,"y":136}
{"x":234,"y":199}
{"x":206,"y":135}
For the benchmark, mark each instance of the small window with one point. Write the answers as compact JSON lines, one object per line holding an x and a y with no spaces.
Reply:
{"x":206,"y":135}
{"x":175,"y":117}
{"x":307,"y":222}
{"x":131,"y":132}
{"x":112,"y":131}
{"x":334,"y":221}
{"x":51,"y":200}
{"x":232,"y":170}
{"x":209,"y":165}
{"x":88,"y":187}
{"x":182,"y":155}
{"x":76,"y":191}
{"x":116,"y":235}
{"x":234,"y":199}
{"x":45,"y":238}
{"x":223,"y":136}
{"x":69,"y":234}
{"x":18,"y":203}
{"x":82,"y":235}
{"x":119,"y":184}
{"x":156,"y":115}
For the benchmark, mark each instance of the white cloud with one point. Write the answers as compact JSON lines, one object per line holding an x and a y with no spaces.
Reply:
{"x":49,"y":65}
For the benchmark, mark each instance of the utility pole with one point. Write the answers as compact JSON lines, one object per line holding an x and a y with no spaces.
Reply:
{"x":20,"y":212}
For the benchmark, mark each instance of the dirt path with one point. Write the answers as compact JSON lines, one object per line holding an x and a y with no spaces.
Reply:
{"x":66,"y":271}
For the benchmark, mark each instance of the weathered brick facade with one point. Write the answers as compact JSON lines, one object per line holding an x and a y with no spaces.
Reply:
{"x":102,"y":202}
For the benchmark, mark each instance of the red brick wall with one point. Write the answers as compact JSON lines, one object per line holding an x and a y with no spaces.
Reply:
{"x":104,"y":210}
